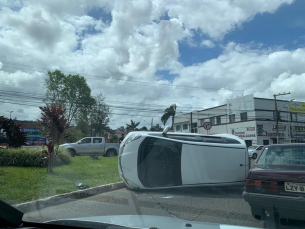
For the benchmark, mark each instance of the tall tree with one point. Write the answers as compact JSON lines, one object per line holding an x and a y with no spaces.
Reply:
{"x":71,"y":90}
{"x":99,"y":116}
{"x":132,"y":126}
{"x":169,"y":112}
{"x":94,"y":120}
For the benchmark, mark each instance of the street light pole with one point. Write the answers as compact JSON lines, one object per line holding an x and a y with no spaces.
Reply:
{"x":10,"y":113}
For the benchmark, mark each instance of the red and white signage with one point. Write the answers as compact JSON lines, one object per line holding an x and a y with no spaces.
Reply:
{"x":207,"y":125}
{"x":246,"y":133}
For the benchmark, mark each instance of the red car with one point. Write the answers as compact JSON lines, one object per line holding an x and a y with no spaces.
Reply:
{"x":275,"y":186}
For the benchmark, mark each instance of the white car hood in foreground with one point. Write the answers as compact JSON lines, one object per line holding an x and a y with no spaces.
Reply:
{"x":147,"y":221}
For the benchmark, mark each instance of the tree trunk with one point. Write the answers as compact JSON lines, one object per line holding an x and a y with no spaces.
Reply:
{"x":50,"y":165}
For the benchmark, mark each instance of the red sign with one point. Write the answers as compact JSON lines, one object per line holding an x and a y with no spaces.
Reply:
{"x":207,"y":125}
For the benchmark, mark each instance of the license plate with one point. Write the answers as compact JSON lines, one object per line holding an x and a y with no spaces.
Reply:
{"x":294,"y":187}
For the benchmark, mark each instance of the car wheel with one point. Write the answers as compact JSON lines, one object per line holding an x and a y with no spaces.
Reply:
{"x":72,"y":152}
{"x":111,"y":153}
{"x":254,"y":156}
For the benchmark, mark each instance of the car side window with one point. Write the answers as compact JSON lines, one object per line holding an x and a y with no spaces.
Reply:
{"x":259,"y":148}
{"x":86,"y":141}
{"x":97,"y":140}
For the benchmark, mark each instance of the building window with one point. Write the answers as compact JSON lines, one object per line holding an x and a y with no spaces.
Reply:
{"x":185,"y":126}
{"x":202,"y":121}
{"x":243,"y":116}
{"x":177,"y":127}
{"x":232,"y":118}
{"x":218,"y":120}
{"x":212,"y":120}
{"x":265,"y":142}
{"x":293,"y":117}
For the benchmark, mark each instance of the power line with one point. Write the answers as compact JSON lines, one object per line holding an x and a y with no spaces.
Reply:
{"x":30,"y":67}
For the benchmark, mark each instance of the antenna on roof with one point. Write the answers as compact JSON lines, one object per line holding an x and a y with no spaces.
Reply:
{"x":166,"y":129}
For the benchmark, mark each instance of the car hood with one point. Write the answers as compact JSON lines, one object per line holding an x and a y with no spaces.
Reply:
{"x":142,"y":221}
{"x":278,"y":173}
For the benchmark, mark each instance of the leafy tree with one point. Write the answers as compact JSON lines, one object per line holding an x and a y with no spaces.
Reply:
{"x":15,"y":137}
{"x":144,"y":128}
{"x":169,"y":112}
{"x":94,"y":120}
{"x":132,"y":126}
{"x":75,"y":134}
{"x":115,"y":138}
{"x":53,"y":120}
{"x":71,"y":90}
{"x":98,"y":117}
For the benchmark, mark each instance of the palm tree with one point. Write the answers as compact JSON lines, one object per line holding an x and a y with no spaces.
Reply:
{"x":169,"y":112}
{"x":132,"y":126}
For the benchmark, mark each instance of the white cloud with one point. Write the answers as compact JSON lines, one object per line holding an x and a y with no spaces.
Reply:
{"x":208,"y":43}
{"x":216,"y":18}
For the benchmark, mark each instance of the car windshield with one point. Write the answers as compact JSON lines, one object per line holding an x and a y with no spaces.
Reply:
{"x":288,"y":155}
{"x":154,"y":110}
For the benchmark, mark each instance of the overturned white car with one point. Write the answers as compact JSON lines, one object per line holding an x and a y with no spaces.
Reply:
{"x":149,"y":160}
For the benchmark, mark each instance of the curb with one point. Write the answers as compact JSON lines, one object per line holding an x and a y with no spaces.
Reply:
{"x":67,"y":197}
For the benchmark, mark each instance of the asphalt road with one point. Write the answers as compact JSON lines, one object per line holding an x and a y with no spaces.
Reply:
{"x":216,"y":205}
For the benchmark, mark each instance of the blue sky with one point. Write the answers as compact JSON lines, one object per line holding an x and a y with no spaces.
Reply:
{"x":285,"y":28}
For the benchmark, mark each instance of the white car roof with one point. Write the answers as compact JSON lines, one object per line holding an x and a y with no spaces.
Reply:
{"x":159,"y":134}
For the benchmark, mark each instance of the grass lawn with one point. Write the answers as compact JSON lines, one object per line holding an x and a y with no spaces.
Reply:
{"x":22,"y":184}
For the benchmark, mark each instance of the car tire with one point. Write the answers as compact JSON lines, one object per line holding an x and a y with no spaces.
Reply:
{"x":111,"y":153}
{"x":254,"y":156}
{"x":72,"y":152}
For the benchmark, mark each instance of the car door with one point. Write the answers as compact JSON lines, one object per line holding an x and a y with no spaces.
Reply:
{"x":84,"y":146}
{"x":98,"y":145}
{"x":204,"y":164}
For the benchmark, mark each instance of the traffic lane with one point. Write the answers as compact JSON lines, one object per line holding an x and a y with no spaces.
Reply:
{"x":216,"y":205}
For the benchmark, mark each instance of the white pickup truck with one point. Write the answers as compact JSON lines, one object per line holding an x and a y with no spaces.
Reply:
{"x":92,"y":146}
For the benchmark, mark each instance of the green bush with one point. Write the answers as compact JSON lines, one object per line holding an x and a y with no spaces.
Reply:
{"x":30,"y":157}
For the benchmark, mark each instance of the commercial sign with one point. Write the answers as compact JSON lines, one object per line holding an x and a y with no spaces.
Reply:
{"x":245,"y":133}
{"x":297,"y":107}
{"x":298,"y":132}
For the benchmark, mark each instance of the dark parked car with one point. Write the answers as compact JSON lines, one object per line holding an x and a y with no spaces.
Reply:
{"x":275,"y":186}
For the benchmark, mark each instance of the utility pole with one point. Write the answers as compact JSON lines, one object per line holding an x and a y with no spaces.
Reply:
{"x":191,"y":122}
{"x":10,"y":113}
{"x":276,"y":115}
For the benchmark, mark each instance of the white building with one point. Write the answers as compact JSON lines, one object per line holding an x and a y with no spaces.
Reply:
{"x":252,"y":119}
